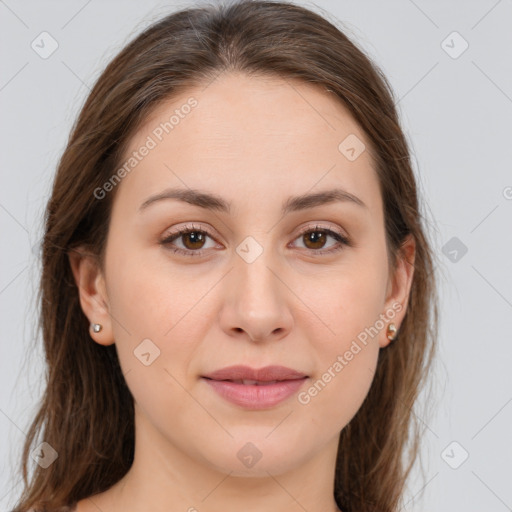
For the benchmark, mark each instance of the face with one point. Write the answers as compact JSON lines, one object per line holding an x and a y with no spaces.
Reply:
{"x":252,"y":273}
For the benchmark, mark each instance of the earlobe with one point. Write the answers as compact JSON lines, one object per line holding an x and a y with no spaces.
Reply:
{"x":399,"y":288}
{"x":91,"y":287}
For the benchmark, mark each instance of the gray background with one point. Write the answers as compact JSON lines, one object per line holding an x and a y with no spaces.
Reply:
{"x":456,"y":109}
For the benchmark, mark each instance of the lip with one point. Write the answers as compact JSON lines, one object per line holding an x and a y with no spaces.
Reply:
{"x":265,"y":374}
{"x":255,"y":396}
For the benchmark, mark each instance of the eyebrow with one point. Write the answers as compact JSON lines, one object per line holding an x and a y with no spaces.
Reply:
{"x":215,"y":202}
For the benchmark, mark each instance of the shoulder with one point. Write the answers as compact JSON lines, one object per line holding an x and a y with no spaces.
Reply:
{"x":68,"y":508}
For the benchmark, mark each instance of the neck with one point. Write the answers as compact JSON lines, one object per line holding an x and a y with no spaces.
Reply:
{"x":163,"y":478}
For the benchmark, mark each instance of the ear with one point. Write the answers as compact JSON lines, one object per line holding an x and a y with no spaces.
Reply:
{"x":399,"y":287}
{"x":92,"y":292}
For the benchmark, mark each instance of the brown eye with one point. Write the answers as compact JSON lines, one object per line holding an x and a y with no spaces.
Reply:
{"x":314,"y":239}
{"x":189,"y":241}
{"x":193,"y":239}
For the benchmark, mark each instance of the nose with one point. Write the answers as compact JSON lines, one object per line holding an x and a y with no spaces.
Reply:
{"x":256,"y":302}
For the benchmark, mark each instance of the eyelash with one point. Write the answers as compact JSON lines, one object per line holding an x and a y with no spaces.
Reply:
{"x":341,"y":239}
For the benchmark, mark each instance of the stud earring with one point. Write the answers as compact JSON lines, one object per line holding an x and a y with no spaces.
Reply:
{"x":96,"y":327}
{"x":391,"y":334}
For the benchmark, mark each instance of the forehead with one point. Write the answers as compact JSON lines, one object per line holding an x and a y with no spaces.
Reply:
{"x":238,"y":106}
{"x":264,"y":134}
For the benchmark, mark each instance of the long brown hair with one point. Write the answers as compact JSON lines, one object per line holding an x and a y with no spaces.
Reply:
{"x":87,"y":412}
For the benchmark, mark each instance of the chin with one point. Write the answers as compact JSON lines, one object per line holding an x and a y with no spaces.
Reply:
{"x":256,"y":456}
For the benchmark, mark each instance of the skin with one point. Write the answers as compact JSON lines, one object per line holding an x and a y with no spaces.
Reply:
{"x":255,"y":142}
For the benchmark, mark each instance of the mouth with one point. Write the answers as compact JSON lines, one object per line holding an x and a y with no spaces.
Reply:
{"x":261,"y":389}
{"x":241,"y":374}
{"x":249,"y":382}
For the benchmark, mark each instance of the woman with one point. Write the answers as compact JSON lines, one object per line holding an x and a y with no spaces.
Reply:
{"x":238,"y":299}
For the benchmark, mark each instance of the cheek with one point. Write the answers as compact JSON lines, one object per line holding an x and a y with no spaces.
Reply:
{"x":156,"y":311}
{"x":345,"y":375}
{"x":350,"y":308}
{"x":151,"y":297}
{"x":348,"y":303}
{"x":156,"y":332}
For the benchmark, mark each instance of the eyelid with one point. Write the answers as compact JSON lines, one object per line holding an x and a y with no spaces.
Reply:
{"x":187,"y":227}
